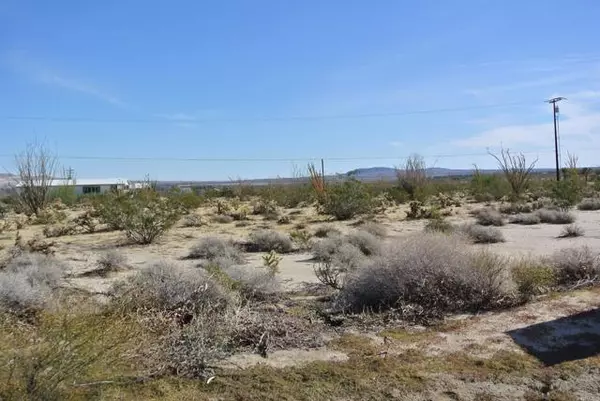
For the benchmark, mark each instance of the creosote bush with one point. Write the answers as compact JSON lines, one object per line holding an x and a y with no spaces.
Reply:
{"x":269,"y":240}
{"x":482,"y":235}
{"x":428,"y":275}
{"x":144,"y":214}
{"x":533,"y":277}
{"x":490,"y":217}
{"x":346,"y":200}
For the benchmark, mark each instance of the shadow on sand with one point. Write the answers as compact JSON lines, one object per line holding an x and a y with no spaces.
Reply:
{"x":566,"y":339}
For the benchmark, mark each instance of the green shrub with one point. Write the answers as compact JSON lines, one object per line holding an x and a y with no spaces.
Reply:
{"x":567,"y":192}
{"x":346,"y":200}
{"x":143,"y":214}
{"x":532,"y":278}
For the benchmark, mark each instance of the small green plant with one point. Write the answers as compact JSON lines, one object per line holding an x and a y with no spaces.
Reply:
{"x":271,"y":262}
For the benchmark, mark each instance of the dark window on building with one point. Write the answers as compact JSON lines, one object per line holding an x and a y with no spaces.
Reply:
{"x":91,"y":190}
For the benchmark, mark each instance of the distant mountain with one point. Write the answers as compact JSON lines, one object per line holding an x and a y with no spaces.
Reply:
{"x":387,"y":173}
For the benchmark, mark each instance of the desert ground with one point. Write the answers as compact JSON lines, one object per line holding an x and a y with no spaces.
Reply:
{"x":545,"y":349}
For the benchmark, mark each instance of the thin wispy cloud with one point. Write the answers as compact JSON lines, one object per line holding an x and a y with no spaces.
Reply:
{"x":38,"y":72}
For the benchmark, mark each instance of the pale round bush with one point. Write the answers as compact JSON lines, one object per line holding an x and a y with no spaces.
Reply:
{"x":490,"y":217}
{"x":428,"y":275}
{"x":525,"y":219}
{"x":482,"y":235}
{"x":212,"y":248}
{"x":555,"y":216}
{"x":368,"y":243}
{"x":270,"y":240}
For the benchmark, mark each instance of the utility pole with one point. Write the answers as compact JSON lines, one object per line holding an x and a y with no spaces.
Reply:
{"x":553,"y":101}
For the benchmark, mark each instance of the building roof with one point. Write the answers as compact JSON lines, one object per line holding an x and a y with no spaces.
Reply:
{"x":60,"y":182}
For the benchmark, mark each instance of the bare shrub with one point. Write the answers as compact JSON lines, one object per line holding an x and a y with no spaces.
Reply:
{"x":166,"y":287}
{"x":412,"y":176}
{"x":576,"y":266}
{"x":482,"y":235}
{"x":376,"y":229}
{"x":555,"y":216}
{"x":269,"y":240}
{"x":516,"y":171}
{"x":36,"y":167}
{"x":490,"y":217}
{"x":27,"y":282}
{"x":326,"y":231}
{"x":428,"y":275}
{"x":589,"y":204}
{"x":571,"y":231}
{"x":193,"y":220}
{"x":215,"y":248}
{"x":368,"y":243}
{"x":532,"y":277}
{"x":525,"y":219}
{"x":222,"y":219}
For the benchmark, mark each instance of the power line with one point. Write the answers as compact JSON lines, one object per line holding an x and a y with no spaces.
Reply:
{"x":290,"y":159}
{"x":553,"y":102}
{"x":256,"y":119}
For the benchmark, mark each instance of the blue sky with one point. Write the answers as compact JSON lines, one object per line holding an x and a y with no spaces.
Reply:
{"x":254,"y":79}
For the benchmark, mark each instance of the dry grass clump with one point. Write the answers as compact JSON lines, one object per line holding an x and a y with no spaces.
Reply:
{"x":215,"y":248}
{"x":428,"y":275}
{"x":28,"y":281}
{"x":555,"y":216}
{"x":589,"y":204}
{"x":482,"y":235}
{"x":269,"y":240}
{"x":490,"y":217}
{"x":576,"y":267}
{"x":525,"y":219}
{"x":571,"y":231}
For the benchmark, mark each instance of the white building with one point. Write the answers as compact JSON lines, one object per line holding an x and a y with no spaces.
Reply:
{"x":89,"y":185}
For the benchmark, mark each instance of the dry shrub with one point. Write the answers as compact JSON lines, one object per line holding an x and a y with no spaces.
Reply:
{"x":376,"y":229}
{"x":589,"y":204}
{"x":439,"y":225}
{"x":269,"y":240}
{"x":28,"y":281}
{"x":252,"y":282}
{"x":525,"y":219}
{"x":324,"y":249}
{"x":574,"y":267}
{"x":222,"y":219}
{"x":166,"y":287}
{"x":302,"y":238}
{"x":368,"y":243}
{"x":193,"y":220}
{"x":326,"y":231}
{"x":59,"y":230}
{"x":428,"y":275}
{"x":571,"y":231}
{"x":555,"y":216}
{"x":490,"y":217}
{"x":215,"y":248}
{"x":482,"y":235}
{"x":516,"y":208}
{"x":109,"y":262}
{"x":333,"y":268}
